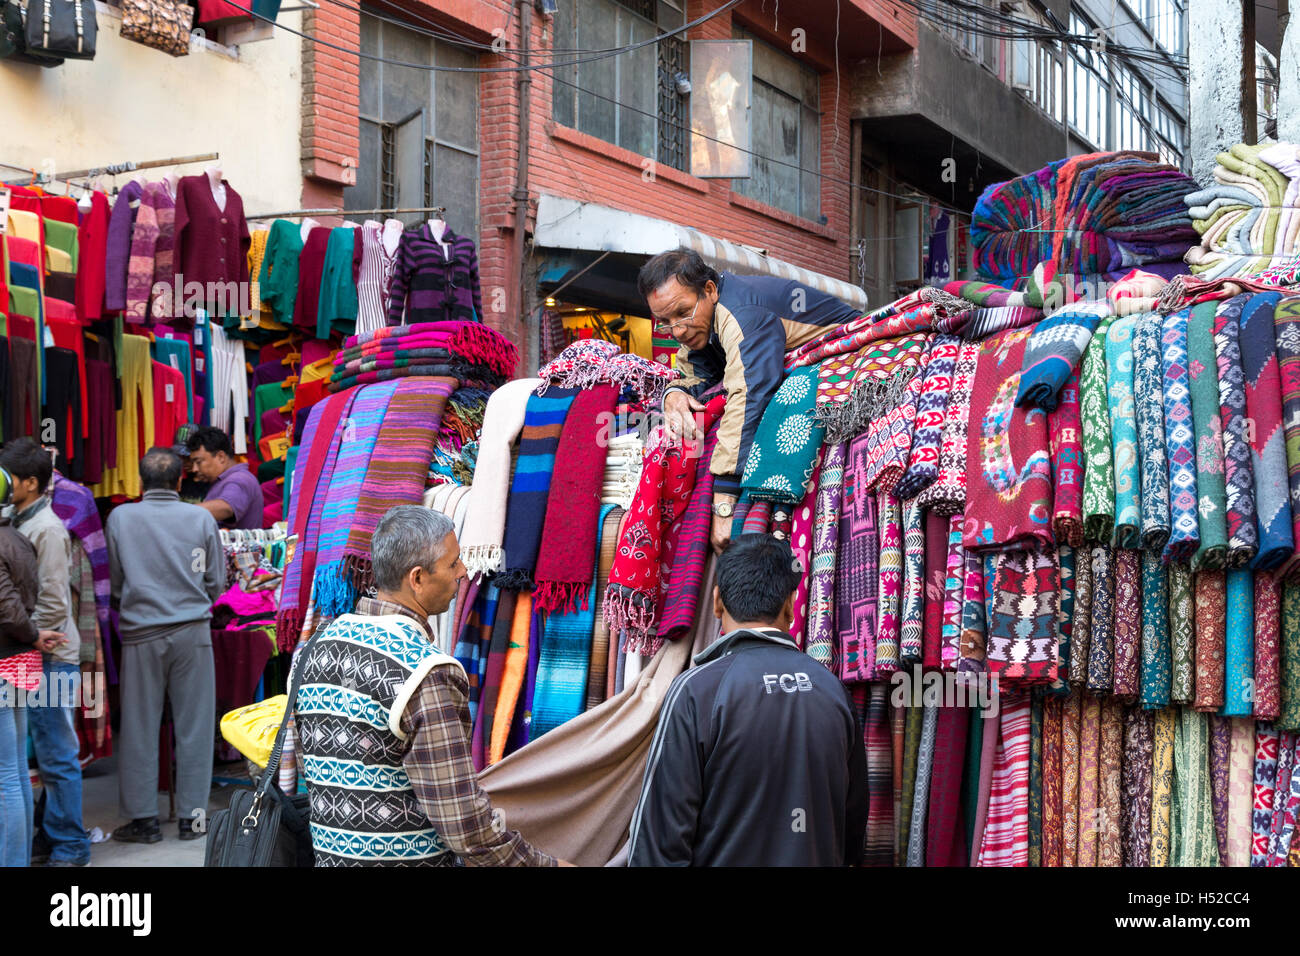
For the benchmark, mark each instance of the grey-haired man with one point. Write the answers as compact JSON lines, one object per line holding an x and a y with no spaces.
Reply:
{"x":383,"y":719}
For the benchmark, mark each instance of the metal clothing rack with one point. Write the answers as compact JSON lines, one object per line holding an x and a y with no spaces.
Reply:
{"x":304,"y":213}
{"x":111,"y":170}
{"x":241,"y":536}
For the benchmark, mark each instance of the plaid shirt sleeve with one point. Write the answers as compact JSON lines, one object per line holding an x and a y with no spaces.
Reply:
{"x":441,"y":770}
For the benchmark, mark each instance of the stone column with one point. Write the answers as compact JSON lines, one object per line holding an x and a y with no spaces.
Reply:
{"x":1221,"y":89}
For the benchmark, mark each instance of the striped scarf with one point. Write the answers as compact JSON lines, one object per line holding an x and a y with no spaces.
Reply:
{"x":398,"y":466}
{"x":1005,"y":840}
{"x":481,"y":545}
{"x":474,"y":341}
{"x":332,"y":591}
{"x":531,"y":487}
{"x":567,"y":559}
{"x":565,"y":656}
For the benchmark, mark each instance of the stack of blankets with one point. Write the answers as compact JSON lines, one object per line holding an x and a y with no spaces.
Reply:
{"x":1249,"y":217}
{"x":1093,"y":214}
{"x":468,"y":351}
{"x":622,"y":470}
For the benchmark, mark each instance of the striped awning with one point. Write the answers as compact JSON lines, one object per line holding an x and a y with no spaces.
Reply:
{"x":573,"y":224}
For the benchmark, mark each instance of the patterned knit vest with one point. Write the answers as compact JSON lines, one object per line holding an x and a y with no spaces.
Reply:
{"x":356,"y":681}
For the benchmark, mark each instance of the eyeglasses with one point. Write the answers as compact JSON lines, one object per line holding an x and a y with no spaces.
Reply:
{"x":671,"y":327}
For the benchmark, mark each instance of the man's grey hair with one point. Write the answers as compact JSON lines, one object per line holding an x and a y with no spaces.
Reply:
{"x":408,"y":536}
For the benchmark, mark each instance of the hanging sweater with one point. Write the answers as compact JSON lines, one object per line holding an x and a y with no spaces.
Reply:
{"x":374,"y":278}
{"x":337,"y":307}
{"x":431,"y":286}
{"x":92,"y":239}
{"x":117,"y":251}
{"x":153,"y":240}
{"x":278,"y":282}
{"x":212,"y":242}
{"x":311,"y":266}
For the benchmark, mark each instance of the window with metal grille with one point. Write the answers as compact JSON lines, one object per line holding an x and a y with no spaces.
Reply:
{"x":419,"y":128}
{"x":630,"y":99}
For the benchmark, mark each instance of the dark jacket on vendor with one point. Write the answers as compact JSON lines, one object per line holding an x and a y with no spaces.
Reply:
{"x":756,"y":321}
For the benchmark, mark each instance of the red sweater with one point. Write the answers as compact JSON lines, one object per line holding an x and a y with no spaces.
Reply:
{"x":211,"y":243}
{"x":92,"y":250}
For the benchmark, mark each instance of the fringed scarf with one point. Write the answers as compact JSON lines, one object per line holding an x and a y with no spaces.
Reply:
{"x":591,"y":362}
{"x":1055,"y":349}
{"x":889,"y":439}
{"x":1065,"y":441}
{"x":481,"y":545}
{"x":849,"y":400}
{"x":1148,"y":395}
{"x":821,"y":643}
{"x":1180,"y":440}
{"x":636,"y":580}
{"x":398,"y":465}
{"x":1099,"y":468}
{"x":1286,"y":331}
{"x":947,"y":495}
{"x":1243,"y":534}
{"x":1008,"y":468}
{"x":567,"y":559}
{"x":530,"y":490}
{"x":678,"y":607}
{"x":474,"y":341}
{"x":857,"y":568}
{"x":1123,"y":432}
{"x":1202,"y":368}
{"x":1021,"y":615}
{"x":931,"y":407}
{"x":1266,"y":437}
{"x":781,"y":459}
{"x":321,"y":439}
{"x":991,"y":320}
{"x":890,"y":322}
{"x":332,"y":592}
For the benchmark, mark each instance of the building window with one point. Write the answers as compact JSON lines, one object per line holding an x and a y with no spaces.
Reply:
{"x":1088,"y":87}
{"x":630,"y":100}
{"x":419,"y":128}
{"x":1166,"y":22}
{"x":786,"y":138}
{"x":1132,"y":111}
{"x":1169,"y":134}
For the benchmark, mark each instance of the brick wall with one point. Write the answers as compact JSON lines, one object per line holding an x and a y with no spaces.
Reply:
{"x":567,"y":163}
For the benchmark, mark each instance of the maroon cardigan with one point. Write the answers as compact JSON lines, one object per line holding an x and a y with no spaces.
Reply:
{"x":211,"y":243}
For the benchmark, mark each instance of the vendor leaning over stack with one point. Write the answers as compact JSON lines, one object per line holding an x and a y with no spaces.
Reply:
{"x":734,"y":330}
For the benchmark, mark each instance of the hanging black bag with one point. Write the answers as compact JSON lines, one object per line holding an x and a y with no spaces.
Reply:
{"x":64,"y":29}
{"x":265,"y":826}
{"x":13,"y":40}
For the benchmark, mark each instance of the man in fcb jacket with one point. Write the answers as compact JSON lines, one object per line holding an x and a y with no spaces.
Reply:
{"x":758,"y":759}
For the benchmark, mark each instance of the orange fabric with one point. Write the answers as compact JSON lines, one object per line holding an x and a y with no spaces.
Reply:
{"x":512,"y":677}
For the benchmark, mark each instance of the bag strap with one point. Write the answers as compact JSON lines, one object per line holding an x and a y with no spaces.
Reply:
{"x":273,"y":763}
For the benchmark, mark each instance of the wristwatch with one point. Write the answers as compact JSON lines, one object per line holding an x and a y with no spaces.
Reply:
{"x":724,"y":509}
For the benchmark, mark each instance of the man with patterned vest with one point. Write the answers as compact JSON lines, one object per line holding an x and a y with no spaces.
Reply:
{"x":383,"y":720}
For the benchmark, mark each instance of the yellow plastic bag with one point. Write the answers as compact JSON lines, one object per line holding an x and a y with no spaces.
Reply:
{"x":251,"y":730}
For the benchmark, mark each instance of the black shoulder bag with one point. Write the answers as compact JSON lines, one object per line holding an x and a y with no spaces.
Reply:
{"x":265,"y":826}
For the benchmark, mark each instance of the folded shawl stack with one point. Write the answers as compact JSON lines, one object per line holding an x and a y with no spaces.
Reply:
{"x":467,"y":351}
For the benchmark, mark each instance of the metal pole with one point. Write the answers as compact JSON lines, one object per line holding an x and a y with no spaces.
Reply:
{"x":523,"y":84}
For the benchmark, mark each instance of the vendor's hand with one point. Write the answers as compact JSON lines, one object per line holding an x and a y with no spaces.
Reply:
{"x":720,"y":536}
{"x":679,"y":417}
{"x":49,"y":641}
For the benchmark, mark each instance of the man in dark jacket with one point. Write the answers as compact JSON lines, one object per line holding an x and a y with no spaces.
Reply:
{"x":733,"y":330}
{"x":21,"y":647}
{"x":758,"y":759}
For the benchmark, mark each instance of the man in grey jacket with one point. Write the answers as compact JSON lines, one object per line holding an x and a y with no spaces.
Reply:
{"x":167,"y":568}
{"x":51,"y":715}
